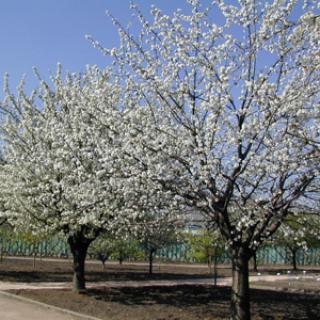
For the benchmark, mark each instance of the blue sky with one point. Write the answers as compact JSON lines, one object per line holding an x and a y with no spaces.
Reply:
{"x":43,"y":32}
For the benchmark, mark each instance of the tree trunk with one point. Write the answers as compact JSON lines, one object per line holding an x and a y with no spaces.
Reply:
{"x":255,"y":263}
{"x":210,"y":264}
{"x":240,"y":298}
{"x":151,"y":252}
{"x":294,"y":259}
{"x":103,"y":260}
{"x":215,"y":266}
{"x":79,"y":246}
{"x":34,"y":260}
{"x":1,"y":252}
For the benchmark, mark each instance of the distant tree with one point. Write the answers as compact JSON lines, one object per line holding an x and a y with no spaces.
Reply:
{"x":206,"y":246}
{"x":255,"y":262}
{"x":6,"y":233}
{"x":126,"y":249}
{"x":156,"y":231}
{"x":101,"y":249}
{"x":33,"y":240}
{"x":298,"y":233}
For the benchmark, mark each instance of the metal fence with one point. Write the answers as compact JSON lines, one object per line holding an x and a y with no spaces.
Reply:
{"x":266,"y":255}
{"x":57,"y":247}
{"x":54,"y":247}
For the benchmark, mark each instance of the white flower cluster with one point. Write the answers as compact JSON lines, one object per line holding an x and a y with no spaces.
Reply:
{"x":226,"y":119}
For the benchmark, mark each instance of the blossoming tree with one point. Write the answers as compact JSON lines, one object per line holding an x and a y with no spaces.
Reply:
{"x":213,"y":106}
{"x":297,"y":234}
{"x":155,"y":231}
{"x":61,"y":150}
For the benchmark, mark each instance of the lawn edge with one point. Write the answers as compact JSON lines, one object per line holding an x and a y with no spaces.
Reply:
{"x":49,"y":306}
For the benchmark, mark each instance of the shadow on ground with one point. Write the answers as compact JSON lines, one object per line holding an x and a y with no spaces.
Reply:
{"x":185,"y":302}
{"x":63,"y":276}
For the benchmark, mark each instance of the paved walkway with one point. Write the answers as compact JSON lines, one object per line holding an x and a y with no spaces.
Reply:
{"x":109,"y":284}
{"x":142,"y":283}
{"x":12,"y":308}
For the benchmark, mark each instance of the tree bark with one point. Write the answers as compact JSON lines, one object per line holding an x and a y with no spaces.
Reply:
{"x":1,"y":252}
{"x":215,"y":266}
{"x":34,"y":260}
{"x":240,"y":297}
{"x":210,"y":264}
{"x":103,"y":260}
{"x":151,"y":252}
{"x":255,"y":263}
{"x":79,"y":246}
{"x":294,"y":259}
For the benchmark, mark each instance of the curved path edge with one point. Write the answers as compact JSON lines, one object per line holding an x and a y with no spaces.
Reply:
{"x":76,"y":315}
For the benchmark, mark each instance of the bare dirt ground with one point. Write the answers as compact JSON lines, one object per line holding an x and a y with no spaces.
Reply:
{"x":177,"y":303}
{"x":147,"y":301}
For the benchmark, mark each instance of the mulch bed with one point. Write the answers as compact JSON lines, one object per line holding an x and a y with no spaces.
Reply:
{"x":177,"y":303}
